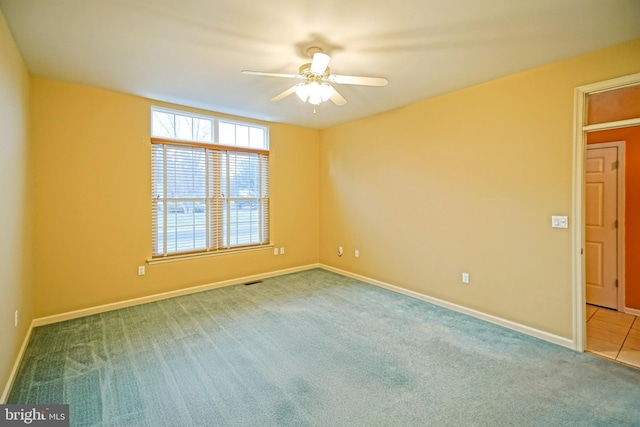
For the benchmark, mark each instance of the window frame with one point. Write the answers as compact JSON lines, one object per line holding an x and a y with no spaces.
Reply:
{"x":218,"y":209}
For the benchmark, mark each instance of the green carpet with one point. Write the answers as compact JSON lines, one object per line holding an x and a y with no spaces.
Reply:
{"x":314,"y":349}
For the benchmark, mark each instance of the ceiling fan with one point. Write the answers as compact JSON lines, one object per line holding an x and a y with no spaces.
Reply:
{"x":317,"y":78}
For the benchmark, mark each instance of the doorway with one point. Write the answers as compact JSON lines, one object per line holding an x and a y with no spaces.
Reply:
{"x":579,"y":194}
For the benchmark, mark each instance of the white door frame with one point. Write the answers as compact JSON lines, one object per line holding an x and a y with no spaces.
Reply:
{"x":578,"y":193}
{"x":620,"y":256}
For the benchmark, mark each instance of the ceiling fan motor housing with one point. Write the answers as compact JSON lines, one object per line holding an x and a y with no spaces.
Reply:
{"x":305,"y":70}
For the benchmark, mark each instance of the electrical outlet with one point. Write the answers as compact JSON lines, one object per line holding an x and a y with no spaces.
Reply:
{"x":141,"y":270}
{"x":340,"y":251}
{"x":465,"y":277}
{"x":357,"y":253}
{"x":281,"y":251}
{"x":275,"y":251}
{"x":16,"y":319}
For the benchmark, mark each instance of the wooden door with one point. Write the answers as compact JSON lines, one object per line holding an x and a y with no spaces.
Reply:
{"x":601,"y":246}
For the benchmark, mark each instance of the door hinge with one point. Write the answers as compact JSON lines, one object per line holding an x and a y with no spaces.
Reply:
{"x":616,"y":164}
{"x":581,"y":251}
{"x":616,"y":283}
{"x":615,"y":224}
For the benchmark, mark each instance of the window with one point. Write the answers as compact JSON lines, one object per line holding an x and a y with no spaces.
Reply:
{"x":210,"y":180}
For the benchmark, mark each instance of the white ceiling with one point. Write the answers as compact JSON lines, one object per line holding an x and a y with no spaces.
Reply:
{"x":191,"y":52}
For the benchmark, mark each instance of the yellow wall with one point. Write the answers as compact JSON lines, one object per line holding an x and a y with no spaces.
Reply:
{"x":463,"y":182}
{"x":466,"y":182}
{"x":15,"y":280}
{"x":92,"y":226}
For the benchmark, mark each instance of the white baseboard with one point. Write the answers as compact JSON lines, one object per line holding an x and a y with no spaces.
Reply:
{"x":555,"y":339}
{"x":546,"y":336}
{"x":132,"y":302}
{"x":633,"y":311}
{"x":164,"y":295}
{"x":16,"y":366}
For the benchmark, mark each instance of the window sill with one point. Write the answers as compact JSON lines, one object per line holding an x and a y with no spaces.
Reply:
{"x":174,"y":258}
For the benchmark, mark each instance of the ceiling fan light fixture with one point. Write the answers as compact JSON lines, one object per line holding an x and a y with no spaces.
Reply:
{"x":302,"y":90}
{"x":326,"y":90}
{"x":313,"y":92}
{"x":316,"y":86}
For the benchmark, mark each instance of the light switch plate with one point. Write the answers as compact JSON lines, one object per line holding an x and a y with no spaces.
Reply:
{"x":559,"y":222}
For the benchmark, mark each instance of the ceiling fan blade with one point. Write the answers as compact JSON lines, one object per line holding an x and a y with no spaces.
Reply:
{"x":284,"y":94}
{"x":260,"y":73}
{"x":337,"y":98}
{"x":319,"y":63}
{"x":355,"y":80}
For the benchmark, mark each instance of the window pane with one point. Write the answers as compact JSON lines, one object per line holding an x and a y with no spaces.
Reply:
{"x":227,"y":133}
{"x":163,"y":125}
{"x":242,"y":136}
{"x":234,"y":191}
{"x":186,"y":173}
{"x":184,"y":127}
{"x":202,"y":130}
{"x":243,"y":175}
{"x":186,"y":226}
{"x":244,"y":224}
{"x":256,"y":138}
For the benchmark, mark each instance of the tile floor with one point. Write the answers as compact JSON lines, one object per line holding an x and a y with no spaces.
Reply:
{"x":613,"y":335}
